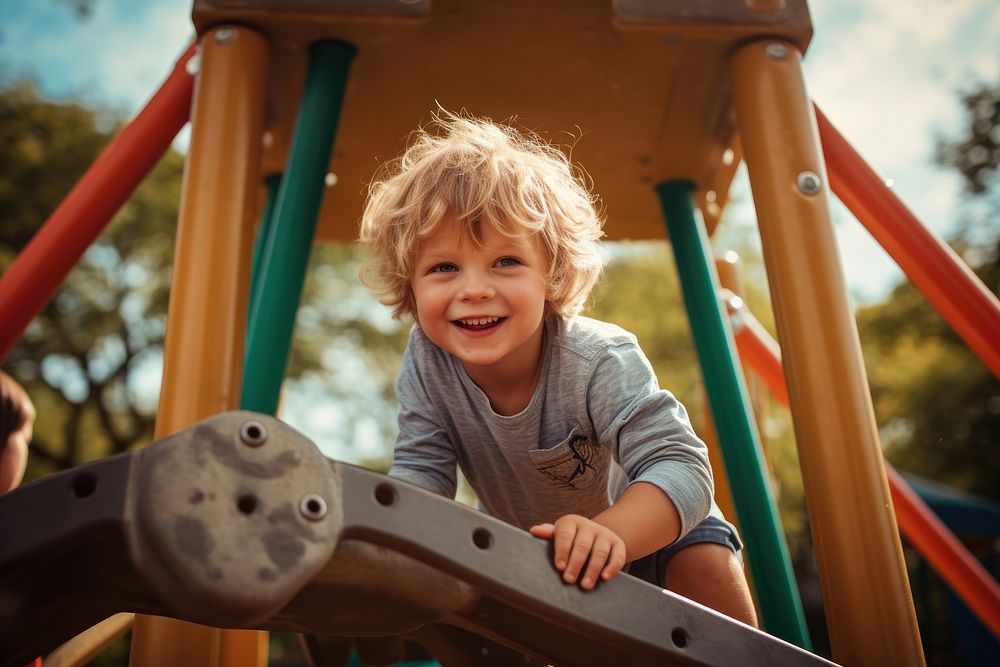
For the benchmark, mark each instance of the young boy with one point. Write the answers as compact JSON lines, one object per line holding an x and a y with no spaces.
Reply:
{"x":490,"y":240}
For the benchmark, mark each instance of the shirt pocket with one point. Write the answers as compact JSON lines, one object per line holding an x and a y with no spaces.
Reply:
{"x":576,"y":463}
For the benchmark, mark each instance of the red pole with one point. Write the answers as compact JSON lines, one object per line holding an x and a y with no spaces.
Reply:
{"x":55,"y":249}
{"x":757,"y":347}
{"x":945,"y":553}
{"x":938,"y":545}
{"x":934,"y":268}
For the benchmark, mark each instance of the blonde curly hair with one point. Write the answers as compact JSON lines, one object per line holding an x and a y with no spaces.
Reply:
{"x":474,"y":171}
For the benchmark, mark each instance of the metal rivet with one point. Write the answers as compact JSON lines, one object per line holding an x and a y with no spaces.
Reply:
{"x":225,"y":35}
{"x":193,"y":65}
{"x":776,"y":51}
{"x":808,"y":182}
{"x":312,"y":507}
{"x":253,"y":433}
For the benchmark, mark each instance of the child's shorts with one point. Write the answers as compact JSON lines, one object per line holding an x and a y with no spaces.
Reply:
{"x":712,"y":530}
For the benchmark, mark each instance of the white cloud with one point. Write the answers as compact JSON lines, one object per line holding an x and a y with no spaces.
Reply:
{"x":923,"y":23}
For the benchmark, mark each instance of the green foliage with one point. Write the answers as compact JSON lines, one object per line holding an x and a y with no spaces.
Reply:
{"x":347,"y":352}
{"x":86,"y":355}
{"x":92,"y":360}
{"x":976,"y":154}
{"x":937,"y":405}
{"x":47,"y":148}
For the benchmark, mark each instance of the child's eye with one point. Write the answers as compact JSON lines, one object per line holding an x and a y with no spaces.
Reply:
{"x":508,"y":261}
{"x":445,"y":267}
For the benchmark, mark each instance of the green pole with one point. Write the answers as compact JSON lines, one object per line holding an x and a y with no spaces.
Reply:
{"x":286,"y":250}
{"x":778,"y":597}
{"x":265,"y":231}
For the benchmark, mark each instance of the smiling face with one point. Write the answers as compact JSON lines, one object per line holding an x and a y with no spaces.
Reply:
{"x":482,"y":303}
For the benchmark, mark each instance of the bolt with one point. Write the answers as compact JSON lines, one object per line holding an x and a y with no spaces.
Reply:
{"x":312,"y":507}
{"x":253,"y":433}
{"x":808,"y":182}
{"x":225,"y":35}
{"x":776,"y":51}
{"x":193,"y":64}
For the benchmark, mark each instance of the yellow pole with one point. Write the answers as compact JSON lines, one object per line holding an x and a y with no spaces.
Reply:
{"x":865,"y":587}
{"x":206,"y":325}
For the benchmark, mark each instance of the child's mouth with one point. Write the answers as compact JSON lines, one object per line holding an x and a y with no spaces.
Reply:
{"x":479,"y":323}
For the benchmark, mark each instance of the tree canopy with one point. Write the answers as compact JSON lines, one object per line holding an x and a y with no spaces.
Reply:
{"x":85,"y":358}
{"x":92,"y":359}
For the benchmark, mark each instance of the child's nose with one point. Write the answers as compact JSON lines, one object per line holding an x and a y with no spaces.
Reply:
{"x":476,"y":288}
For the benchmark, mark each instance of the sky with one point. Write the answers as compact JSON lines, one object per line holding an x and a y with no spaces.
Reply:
{"x":887,"y":74}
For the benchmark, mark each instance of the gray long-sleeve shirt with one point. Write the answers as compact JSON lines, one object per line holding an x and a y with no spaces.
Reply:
{"x":597,"y":421}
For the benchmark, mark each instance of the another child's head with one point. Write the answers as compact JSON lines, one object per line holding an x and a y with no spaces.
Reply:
{"x":475,"y":172}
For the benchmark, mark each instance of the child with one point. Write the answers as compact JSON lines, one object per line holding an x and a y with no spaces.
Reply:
{"x":490,"y":240}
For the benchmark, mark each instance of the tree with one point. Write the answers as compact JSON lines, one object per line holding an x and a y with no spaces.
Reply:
{"x":937,"y":405}
{"x":92,"y":359}
{"x":346,"y":354}
{"x":85,"y":358}
{"x":976,"y":155}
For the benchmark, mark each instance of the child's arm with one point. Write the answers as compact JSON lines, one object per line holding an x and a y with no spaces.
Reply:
{"x":643,"y":520}
{"x":424,"y":454}
{"x":17,"y":416}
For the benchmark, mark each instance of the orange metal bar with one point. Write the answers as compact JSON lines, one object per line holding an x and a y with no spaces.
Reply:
{"x":36,"y":274}
{"x":933,"y":267}
{"x":729,"y":266}
{"x":938,"y":545}
{"x":949,"y":557}
{"x":206,"y":325}
{"x":757,"y":348}
{"x":866,"y":590}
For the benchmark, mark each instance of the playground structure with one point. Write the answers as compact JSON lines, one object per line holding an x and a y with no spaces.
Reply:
{"x":670,"y":95}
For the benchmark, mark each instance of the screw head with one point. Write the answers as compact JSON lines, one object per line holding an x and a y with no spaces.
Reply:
{"x":253,"y":433}
{"x":312,"y":507}
{"x":808,"y":183}
{"x":776,"y":51}
{"x":225,"y":35}
{"x":193,"y":65}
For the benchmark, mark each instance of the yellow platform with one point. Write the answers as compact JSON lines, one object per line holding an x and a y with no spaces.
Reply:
{"x":638,"y":88}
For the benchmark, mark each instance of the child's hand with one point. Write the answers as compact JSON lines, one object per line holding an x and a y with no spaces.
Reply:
{"x":579,"y":542}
